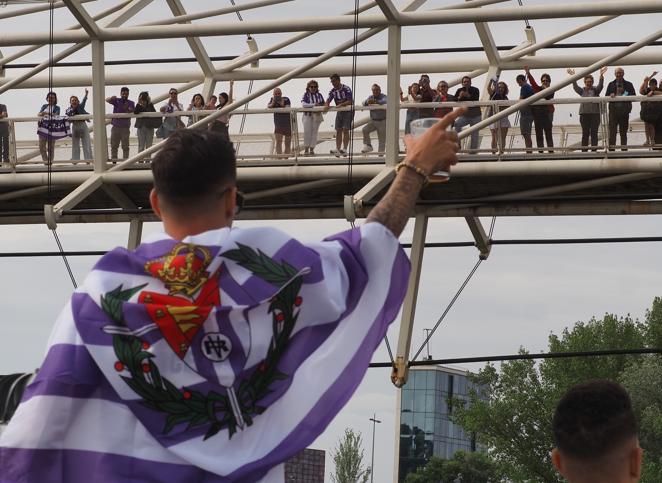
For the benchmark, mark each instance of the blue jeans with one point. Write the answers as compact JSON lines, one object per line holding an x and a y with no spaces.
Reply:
{"x":462,"y":121}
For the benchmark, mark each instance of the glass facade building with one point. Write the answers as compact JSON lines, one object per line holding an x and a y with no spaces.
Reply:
{"x":305,"y":467}
{"x":425,"y":426}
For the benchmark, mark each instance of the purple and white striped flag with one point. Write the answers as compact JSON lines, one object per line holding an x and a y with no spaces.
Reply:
{"x":213,"y":359}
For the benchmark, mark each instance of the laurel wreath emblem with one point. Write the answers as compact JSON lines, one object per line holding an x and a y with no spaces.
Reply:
{"x":191,"y":407}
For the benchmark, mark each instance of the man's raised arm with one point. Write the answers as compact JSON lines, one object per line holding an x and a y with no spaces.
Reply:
{"x":433,"y":151}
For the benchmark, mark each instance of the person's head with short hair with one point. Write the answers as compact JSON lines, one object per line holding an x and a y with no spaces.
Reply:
{"x":278,"y":92}
{"x":424,"y":81}
{"x":124,"y":92}
{"x":652,"y":83}
{"x":466,"y":81}
{"x":51,"y":98}
{"x":335,"y":80}
{"x":619,"y":73}
{"x":545,"y":79}
{"x":194,"y":182}
{"x":442,"y":87}
{"x":173,"y":93}
{"x":520,"y":79}
{"x":376,"y":90}
{"x":595,"y":434}
{"x":588,"y":80}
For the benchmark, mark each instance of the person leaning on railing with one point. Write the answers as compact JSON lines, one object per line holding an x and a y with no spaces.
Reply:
{"x":589,"y":112}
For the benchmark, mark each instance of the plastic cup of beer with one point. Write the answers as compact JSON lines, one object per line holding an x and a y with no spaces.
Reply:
{"x":417,"y":128}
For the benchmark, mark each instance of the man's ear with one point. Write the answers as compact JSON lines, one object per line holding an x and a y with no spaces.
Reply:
{"x":557,"y":460}
{"x":154,"y":201}
{"x":636,"y":457}
{"x":230,"y":203}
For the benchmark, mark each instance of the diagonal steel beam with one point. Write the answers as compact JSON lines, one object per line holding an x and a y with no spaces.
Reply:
{"x":194,"y":43}
{"x":389,"y":10}
{"x":29,"y":10}
{"x":401,"y":364}
{"x":27,"y":50}
{"x":124,"y":14}
{"x":84,"y":18}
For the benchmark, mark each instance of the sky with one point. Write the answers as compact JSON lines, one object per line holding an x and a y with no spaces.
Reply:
{"x":517,"y":297}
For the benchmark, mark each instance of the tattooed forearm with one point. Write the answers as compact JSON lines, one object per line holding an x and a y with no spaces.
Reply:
{"x":395,"y":208}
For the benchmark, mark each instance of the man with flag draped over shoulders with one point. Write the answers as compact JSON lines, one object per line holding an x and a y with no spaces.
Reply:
{"x":213,"y":353}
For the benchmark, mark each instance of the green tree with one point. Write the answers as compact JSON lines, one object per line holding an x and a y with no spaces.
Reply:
{"x":348,"y":458}
{"x":463,"y":467}
{"x":643,"y":380}
{"x":514,"y":421}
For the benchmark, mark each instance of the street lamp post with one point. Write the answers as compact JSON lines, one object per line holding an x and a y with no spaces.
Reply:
{"x":372,"y":459}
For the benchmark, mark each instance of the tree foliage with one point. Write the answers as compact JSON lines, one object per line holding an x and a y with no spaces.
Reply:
{"x":514,"y":421}
{"x":464,"y":467}
{"x":348,"y":458}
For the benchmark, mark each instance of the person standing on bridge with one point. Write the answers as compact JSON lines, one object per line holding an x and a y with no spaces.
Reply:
{"x":214,"y":353}
{"x":650,"y":111}
{"x":80,"y":134}
{"x":222,"y":123}
{"x":120,"y":130}
{"x":282,"y":123}
{"x":619,"y":112}
{"x":4,"y":136}
{"x":342,"y":95}
{"x":469,"y":93}
{"x":377,"y":120}
{"x":589,"y":112}
{"x":145,"y":125}
{"x":50,"y":127}
{"x":311,"y":120}
{"x":543,"y":116}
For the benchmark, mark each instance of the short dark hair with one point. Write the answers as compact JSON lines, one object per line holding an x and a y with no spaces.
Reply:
{"x":192,"y":165}
{"x":465,"y":77}
{"x":592,"y":419}
{"x":542,"y":77}
{"x":124,"y":89}
{"x":334,"y":76}
{"x":520,"y":77}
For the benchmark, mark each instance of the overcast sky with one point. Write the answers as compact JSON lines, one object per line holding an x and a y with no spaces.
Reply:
{"x":516,"y":298}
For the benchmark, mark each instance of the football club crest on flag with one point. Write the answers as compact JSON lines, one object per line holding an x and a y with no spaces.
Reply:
{"x":214,"y":358}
